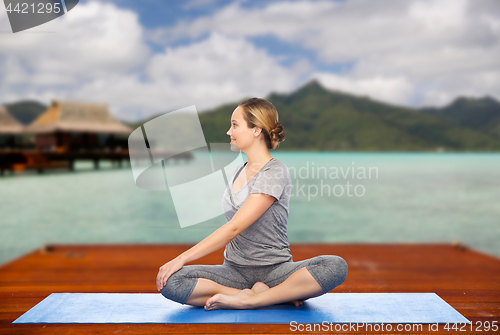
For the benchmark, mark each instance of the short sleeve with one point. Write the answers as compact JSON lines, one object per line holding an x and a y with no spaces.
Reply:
{"x":271,"y":181}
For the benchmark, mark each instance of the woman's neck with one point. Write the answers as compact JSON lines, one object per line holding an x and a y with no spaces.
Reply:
{"x":256,"y":163}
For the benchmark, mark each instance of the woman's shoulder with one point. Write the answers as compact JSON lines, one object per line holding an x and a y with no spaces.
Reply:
{"x":276,"y":169}
{"x":276,"y":164}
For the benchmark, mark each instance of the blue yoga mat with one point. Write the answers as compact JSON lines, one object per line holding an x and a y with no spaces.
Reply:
{"x":330,"y":307}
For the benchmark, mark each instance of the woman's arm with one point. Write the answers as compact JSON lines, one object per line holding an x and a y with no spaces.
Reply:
{"x":253,"y":208}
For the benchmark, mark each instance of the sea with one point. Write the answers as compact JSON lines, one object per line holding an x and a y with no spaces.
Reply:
{"x":336,"y":197}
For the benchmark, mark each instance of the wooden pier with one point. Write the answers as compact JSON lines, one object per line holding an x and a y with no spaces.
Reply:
{"x":466,"y":279}
{"x":40,"y":161}
{"x":23,"y":160}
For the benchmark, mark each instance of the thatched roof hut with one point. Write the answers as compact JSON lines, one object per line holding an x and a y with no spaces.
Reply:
{"x":66,"y":116}
{"x":9,"y":125}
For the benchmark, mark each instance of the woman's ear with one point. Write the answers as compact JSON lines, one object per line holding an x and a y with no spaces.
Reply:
{"x":257,"y":131}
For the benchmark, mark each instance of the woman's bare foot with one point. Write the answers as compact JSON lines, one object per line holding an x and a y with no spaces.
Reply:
{"x":220,"y":300}
{"x":223,"y":301}
{"x":240,"y":300}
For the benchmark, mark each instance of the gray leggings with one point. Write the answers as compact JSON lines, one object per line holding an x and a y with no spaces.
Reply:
{"x":329,"y":271}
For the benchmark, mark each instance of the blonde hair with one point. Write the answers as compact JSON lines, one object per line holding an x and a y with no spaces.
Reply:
{"x":261,"y":113}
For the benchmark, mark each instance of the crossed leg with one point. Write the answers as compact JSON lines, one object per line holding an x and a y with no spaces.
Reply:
{"x":191,"y":284}
{"x":299,"y":285}
{"x":329,"y":270}
{"x":206,"y":288}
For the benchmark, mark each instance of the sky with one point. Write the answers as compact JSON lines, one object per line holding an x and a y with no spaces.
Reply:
{"x":149,"y":57}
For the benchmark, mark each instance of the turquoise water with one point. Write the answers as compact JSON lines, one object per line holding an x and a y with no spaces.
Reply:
{"x":409,"y":197}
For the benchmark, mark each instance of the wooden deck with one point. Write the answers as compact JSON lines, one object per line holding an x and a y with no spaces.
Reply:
{"x":468,"y":280}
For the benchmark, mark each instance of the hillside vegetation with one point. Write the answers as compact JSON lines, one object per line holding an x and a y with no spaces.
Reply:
{"x":323,"y":120}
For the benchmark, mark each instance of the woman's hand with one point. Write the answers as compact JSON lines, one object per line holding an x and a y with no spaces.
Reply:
{"x":166,"y":271}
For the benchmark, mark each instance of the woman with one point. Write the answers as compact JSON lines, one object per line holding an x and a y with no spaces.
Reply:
{"x":258,"y":269}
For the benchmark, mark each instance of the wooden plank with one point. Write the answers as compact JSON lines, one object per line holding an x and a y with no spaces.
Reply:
{"x":468,"y":280}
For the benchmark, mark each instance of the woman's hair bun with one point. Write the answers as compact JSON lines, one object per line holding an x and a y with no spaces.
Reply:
{"x":277,"y":133}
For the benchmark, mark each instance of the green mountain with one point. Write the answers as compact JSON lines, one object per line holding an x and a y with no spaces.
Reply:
{"x":479,"y":114}
{"x":26,"y":111}
{"x":318,"y":119}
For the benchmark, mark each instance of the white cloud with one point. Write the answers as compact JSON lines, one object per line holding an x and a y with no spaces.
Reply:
{"x":206,"y":74}
{"x":60,"y":58}
{"x":430,"y":43}
{"x":420,"y":51}
{"x":97,"y":53}
{"x":92,"y":40}
{"x":221,"y":63}
{"x":478,"y":85}
{"x":397,"y":90}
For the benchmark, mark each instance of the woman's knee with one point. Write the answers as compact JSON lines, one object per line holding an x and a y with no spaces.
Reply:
{"x":179,"y":287}
{"x":329,"y":270}
{"x":341,"y":266}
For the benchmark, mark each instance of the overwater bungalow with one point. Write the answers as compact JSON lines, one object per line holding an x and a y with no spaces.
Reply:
{"x":78,"y":126}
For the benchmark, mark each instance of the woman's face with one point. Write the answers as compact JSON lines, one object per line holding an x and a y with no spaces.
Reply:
{"x":240,"y":135}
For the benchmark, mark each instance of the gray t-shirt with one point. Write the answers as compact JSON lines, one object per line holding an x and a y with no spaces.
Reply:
{"x":264,"y":242}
